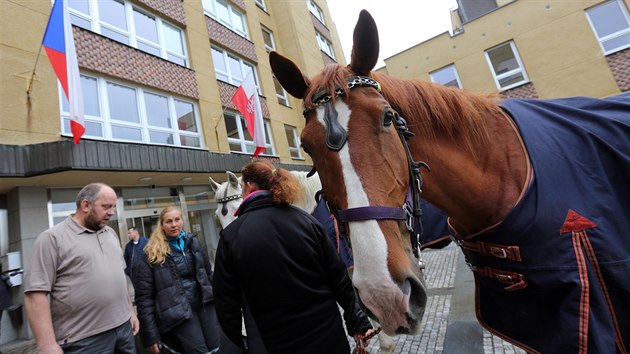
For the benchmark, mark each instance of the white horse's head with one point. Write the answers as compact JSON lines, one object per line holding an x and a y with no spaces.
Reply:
{"x":229,"y":196}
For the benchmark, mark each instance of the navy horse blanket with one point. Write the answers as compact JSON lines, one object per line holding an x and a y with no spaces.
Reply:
{"x":554,"y":276}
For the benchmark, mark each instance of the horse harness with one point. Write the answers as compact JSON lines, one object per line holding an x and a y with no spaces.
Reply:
{"x":336,"y":137}
{"x":225,"y":199}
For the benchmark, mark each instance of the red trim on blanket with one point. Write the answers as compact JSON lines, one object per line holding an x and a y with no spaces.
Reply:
{"x":577,"y":237}
{"x":590,"y":253}
{"x":576,"y":222}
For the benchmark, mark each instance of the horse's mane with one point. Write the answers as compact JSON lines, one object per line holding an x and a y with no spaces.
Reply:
{"x":431,"y":110}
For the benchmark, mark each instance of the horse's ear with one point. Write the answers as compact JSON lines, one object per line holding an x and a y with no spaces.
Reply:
{"x":288,"y":74}
{"x":214,"y":185}
{"x":233,"y":180}
{"x":365,"y":45}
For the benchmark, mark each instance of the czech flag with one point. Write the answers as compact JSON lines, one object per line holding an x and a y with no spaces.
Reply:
{"x":59,"y":45}
{"x":246,"y":100}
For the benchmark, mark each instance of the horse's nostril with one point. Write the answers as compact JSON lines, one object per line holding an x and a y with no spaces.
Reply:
{"x":406,"y":287}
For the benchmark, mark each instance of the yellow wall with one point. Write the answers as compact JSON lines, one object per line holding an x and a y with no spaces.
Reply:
{"x":559,"y":50}
{"x":23,"y":24}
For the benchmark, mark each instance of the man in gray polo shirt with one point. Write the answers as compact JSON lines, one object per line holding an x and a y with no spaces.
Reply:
{"x":79,"y":263}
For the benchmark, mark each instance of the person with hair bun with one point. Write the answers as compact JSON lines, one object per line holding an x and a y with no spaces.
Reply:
{"x":279,"y":260}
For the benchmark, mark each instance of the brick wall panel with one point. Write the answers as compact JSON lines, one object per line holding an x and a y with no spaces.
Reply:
{"x":172,"y":9}
{"x":320,"y":27}
{"x":327,"y":60}
{"x":619,"y":64}
{"x":227,"y":91}
{"x":239,"y":3}
{"x":230,"y":40}
{"x":109,"y":57}
{"x":524,"y":91}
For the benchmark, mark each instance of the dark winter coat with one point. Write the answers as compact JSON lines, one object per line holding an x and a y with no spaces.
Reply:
{"x":134,"y":254}
{"x":162,"y":298}
{"x":292,"y":278}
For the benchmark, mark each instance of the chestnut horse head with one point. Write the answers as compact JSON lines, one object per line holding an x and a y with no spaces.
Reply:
{"x":351,"y":134}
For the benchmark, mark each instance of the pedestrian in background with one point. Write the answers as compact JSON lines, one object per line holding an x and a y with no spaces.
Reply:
{"x":134,"y":252}
{"x":174,"y":293}
{"x":79,"y":263}
{"x":279,"y":260}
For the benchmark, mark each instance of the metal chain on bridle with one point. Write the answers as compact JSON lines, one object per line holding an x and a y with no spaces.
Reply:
{"x":226,"y":199}
{"x":336,"y":137}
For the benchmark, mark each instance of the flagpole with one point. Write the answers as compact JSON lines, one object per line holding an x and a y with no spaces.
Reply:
{"x":30,"y":82}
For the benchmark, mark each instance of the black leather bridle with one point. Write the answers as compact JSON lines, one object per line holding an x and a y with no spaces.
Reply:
{"x":226,"y":199}
{"x":336,"y":137}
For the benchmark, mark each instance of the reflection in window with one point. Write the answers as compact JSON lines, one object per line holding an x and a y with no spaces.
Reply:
{"x":611,"y":24}
{"x":226,"y":14}
{"x":506,"y":66}
{"x":239,"y":138}
{"x":134,"y":114}
{"x":232,"y":69}
{"x":294,"y":141}
{"x":446,"y":76}
{"x":122,"y":103}
{"x":325,"y":45}
{"x":122,"y":21}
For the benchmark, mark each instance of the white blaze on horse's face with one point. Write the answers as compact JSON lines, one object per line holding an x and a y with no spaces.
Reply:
{"x":377,"y":290}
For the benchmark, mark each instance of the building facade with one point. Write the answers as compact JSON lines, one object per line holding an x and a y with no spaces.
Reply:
{"x":157,"y":78}
{"x":527,"y":49}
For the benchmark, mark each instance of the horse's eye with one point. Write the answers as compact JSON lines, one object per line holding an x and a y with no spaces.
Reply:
{"x":388,"y":118}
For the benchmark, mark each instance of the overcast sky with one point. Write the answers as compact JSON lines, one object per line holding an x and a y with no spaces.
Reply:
{"x":401,"y":23}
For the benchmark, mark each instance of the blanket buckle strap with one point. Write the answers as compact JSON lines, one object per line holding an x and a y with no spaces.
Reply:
{"x":516,"y":281}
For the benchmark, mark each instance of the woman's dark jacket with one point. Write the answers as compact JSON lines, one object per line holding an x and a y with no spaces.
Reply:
{"x":291,"y":276}
{"x":162,"y":298}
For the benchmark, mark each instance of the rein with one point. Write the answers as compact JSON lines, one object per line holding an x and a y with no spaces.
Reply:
{"x":226,"y":199}
{"x":336,"y":138}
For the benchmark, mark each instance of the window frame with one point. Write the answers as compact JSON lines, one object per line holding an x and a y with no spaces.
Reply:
{"x":317,"y":11}
{"x":296,"y":138}
{"x":231,"y":79}
{"x":454,"y":71}
{"x":210,"y":11}
{"x":96,"y":25}
{"x":520,"y":69}
{"x":107,"y":122}
{"x":242,"y":141}
{"x":283,"y":98}
{"x":626,"y":31}
{"x":261,"y":4}
{"x":328,"y":48}
{"x":264,"y":30}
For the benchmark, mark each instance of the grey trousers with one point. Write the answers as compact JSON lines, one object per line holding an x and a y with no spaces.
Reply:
{"x":117,"y":340}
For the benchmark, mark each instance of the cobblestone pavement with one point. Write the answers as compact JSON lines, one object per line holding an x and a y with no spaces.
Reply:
{"x":441,"y":271}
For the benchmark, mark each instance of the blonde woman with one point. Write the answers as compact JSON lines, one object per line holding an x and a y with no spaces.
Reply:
{"x":174,"y":292}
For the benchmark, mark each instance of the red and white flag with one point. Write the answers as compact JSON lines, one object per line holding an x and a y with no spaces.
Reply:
{"x":59,"y":45}
{"x":246,"y":100}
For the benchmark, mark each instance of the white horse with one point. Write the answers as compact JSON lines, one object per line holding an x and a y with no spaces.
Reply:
{"x":229,"y":196}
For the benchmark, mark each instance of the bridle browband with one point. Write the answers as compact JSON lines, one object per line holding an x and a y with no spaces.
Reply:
{"x":226,"y":199}
{"x":336,"y":137}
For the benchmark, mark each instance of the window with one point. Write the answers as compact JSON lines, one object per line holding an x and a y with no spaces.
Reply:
{"x":261,"y":4}
{"x":315,"y":10}
{"x":294,"y":141}
{"x":232,"y":69}
{"x":446,"y":76}
{"x":123,"y":22}
{"x":506,"y":65}
{"x":281,"y":94}
{"x":239,"y":138}
{"x":226,"y":14}
{"x":116,"y":111}
{"x":325,"y":45}
{"x":268,"y":38}
{"x":611,"y":24}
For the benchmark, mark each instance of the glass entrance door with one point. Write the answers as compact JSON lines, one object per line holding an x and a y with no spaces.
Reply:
{"x":143,"y":219}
